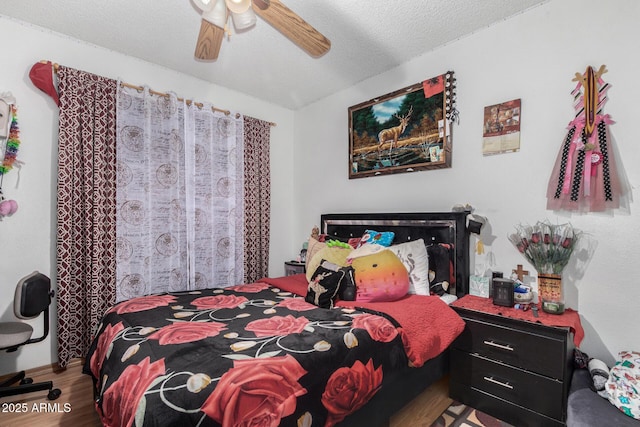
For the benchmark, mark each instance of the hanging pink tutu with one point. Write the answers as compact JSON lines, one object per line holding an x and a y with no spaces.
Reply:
{"x":585,"y":176}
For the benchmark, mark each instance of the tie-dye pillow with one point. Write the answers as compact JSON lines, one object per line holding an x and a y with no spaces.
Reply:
{"x":380,"y":277}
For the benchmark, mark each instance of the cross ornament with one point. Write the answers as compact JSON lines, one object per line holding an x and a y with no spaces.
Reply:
{"x":520,"y":272}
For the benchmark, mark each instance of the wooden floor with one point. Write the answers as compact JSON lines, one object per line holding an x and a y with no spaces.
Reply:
{"x":425,"y":408}
{"x":75,"y":406}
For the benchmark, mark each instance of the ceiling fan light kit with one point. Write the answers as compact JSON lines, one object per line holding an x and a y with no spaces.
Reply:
{"x":238,"y":6}
{"x":215,"y":14}
{"x":205,"y":5}
{"x":244,"y":20}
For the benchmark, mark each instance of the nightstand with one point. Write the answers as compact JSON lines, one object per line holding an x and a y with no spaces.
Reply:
{"x":293,"y":267}
{"x":516,"y":370}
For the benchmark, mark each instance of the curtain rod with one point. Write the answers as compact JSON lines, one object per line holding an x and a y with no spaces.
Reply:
{"x":187,"y":101}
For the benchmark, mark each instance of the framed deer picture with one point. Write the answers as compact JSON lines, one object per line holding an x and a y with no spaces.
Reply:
{"x":404,"y":131}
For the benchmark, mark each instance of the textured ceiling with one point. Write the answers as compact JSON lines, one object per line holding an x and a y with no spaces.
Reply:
{"x":367,"y":38}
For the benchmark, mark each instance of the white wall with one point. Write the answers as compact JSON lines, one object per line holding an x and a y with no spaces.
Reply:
{"x":532,"y":56}
{"x":27,"y":239}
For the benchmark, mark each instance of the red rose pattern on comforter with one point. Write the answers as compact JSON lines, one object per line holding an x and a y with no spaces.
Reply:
{"x":248,"y":355}
{"x":426,"y":323}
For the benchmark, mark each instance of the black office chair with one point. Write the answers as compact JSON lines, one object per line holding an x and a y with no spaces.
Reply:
{"x":32,"y":298}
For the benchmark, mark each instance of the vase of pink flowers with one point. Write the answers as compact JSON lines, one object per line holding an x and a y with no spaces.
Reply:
{"x":548,"y":248}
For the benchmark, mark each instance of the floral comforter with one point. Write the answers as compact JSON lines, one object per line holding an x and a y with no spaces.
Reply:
{"x":249,"y":355}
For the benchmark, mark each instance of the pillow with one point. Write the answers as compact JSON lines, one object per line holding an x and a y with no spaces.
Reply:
{"x":415,"y":258}
{"x":319,"y":241}
{"x":599,"y":374}
{"x":623,"y":385}
{"x":347,"y":291}
{"x":383,"y":238}
{"x":313,"y":246}
{"x":440,"y":269}
{"x":335,"y":255}
{"x":327,"y":280}
{"x":380,"y":277}
{"x":364,"y":250}
{"x":353,"y":242}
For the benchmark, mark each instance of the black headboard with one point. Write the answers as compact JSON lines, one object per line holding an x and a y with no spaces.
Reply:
{"x":432,"y":227}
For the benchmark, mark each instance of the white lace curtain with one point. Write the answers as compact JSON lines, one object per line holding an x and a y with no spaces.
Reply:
{"x":179,"y":196}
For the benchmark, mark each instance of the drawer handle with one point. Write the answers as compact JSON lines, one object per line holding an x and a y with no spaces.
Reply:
{"x":500,"y":346}
{"x":500,"y":383}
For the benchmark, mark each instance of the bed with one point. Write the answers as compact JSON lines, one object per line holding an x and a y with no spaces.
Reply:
{"x":260,"y":354}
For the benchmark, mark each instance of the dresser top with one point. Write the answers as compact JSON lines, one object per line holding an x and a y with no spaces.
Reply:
{"x":570,"y":318}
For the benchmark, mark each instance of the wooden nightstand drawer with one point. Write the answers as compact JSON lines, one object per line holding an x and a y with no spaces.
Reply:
{"x":516,"y":369}
{"x":526,"y":389}
{"x":531,"y":351}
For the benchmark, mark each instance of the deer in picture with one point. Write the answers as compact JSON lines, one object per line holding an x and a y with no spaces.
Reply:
{"x":392,"y":134}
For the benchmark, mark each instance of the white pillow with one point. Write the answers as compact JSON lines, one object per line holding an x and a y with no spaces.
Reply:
{"x":416,"y":260}
{"x":365,"y":250}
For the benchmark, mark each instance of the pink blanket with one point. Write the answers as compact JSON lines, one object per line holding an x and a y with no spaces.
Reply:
{"x":428,"y":325}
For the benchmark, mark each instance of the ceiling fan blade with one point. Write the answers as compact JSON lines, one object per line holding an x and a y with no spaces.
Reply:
{"x":209,"y":41}
{"x":262,"y":4}
{"x":292,"y":26}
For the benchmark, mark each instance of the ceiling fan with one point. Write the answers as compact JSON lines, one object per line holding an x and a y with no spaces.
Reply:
{"x":215,"y":14}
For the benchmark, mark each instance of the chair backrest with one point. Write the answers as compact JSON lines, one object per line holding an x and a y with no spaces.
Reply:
{"x":33,"y":296}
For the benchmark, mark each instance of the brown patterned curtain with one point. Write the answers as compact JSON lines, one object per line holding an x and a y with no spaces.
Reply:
{"x":86,"y":208}
{"x":257,"y":202}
